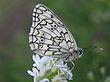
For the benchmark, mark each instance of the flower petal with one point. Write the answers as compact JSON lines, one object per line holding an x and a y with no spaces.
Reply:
{"x":30,"y":73}
{"x":69,"y":75}
{"x":61,"y":61}
{"x":35,"y":71}
{"x":36,"y":58}
{"x":44,"y":59}
{"x":34,"y":65}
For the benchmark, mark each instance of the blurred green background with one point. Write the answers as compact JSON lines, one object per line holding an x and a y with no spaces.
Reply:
{"x":88,"y":20}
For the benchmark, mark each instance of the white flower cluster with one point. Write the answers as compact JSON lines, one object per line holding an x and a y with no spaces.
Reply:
{"x":48,"y":69}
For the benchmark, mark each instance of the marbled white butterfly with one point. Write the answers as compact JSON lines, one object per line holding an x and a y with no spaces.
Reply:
{"x":49,"y":36}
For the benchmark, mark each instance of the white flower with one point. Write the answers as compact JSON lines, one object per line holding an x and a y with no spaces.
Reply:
{"x":40,"y":63}
{"x":48,"y":69}
{"x":34,"y":72}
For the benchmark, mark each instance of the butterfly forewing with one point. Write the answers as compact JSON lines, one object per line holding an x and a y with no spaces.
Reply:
{"x":48,"y":35}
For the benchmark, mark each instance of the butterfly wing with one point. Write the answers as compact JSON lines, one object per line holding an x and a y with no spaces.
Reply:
{"x":48,"y":35}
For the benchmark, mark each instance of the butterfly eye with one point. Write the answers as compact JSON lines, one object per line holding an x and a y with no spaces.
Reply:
{"x":80,"y":52}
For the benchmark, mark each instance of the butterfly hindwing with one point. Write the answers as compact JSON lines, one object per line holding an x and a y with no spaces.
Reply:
{"x":48,"y":35}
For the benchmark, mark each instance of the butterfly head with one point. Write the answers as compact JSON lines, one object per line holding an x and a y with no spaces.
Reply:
{"x":74,"y":55}
{"x":79,"y":52}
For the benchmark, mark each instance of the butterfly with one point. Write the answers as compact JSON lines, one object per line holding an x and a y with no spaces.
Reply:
{"x":49,"y":36}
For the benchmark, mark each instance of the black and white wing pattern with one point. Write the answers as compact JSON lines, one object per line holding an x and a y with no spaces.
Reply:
{"x":48,"y":35}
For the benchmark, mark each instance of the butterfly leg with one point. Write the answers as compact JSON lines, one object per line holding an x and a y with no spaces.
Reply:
{"x":73,"y":65}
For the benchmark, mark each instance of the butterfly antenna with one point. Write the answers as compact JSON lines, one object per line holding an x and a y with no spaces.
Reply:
{"x":73,"y":65}
{"x":92,"y":47}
